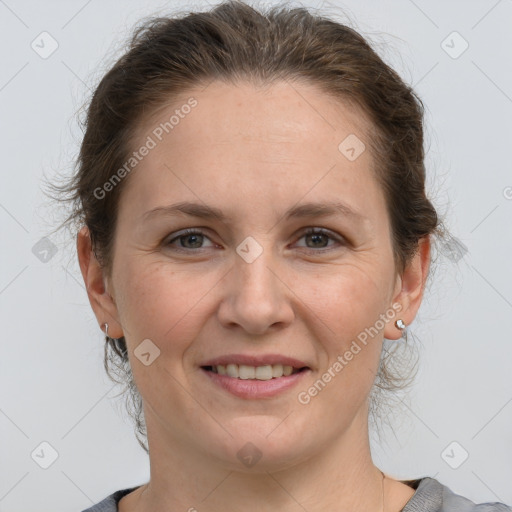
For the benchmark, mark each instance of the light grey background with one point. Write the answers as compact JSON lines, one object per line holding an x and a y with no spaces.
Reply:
{"x":52,"y":384}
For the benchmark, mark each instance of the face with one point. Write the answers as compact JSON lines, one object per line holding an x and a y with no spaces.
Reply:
{"x":252,"y":282}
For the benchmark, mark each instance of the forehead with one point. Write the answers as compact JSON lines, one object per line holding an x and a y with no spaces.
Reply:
{"x":284,"y":138}
{"x":281,"y":111}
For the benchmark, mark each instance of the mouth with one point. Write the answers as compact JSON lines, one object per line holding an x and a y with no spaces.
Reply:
{"x":255,"y":377}
{"x":246,"y":372}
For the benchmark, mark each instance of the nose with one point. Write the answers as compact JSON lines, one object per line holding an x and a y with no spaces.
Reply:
{"x":255,"y":296}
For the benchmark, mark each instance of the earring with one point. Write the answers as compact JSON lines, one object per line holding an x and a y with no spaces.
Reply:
{"x":106,"y":331}
{"x":400,"y":324}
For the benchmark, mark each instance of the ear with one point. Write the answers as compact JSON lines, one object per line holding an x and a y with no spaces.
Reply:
{"x":409,"y":289}
{"x":102,"y":302}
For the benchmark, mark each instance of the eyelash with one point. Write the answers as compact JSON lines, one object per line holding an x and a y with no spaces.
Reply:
{"x":309,"y":231}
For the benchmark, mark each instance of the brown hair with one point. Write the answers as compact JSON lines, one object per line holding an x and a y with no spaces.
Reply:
{"x":233,"y":42}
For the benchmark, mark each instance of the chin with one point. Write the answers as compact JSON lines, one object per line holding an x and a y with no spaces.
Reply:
{"x":260,"y":447}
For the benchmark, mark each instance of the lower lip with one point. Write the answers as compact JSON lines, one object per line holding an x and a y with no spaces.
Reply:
{"x":253,"y":388}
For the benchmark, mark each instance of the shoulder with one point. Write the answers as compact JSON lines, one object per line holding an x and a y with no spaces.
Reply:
{"x":109,"y":504}
{"x":432,"y":496}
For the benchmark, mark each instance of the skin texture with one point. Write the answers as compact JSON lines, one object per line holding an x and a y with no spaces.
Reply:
{"x":255,"y":152}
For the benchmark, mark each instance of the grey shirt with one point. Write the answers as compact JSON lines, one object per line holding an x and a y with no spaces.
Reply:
{"x":430,"y":496}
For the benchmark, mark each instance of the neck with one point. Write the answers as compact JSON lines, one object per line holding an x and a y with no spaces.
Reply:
{"x":340,"y":477}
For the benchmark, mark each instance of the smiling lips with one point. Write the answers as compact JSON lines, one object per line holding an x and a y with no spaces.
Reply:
{"x":261,"y":367}
{"x":255,"y":376}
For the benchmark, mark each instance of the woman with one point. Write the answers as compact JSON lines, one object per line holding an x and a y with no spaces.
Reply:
{"x":252,"y":189}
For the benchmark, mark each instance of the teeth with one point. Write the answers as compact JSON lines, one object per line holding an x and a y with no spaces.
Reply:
{"x":265,"y":372}
{"x":277,"y":370}
{"x":246,"y":372}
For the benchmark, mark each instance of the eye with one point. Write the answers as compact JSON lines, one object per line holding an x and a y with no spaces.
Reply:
{"x":189,"y":237}
{"x":318,"y":238}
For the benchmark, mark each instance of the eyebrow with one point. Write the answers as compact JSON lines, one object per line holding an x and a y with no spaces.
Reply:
{"x":305,"y":210}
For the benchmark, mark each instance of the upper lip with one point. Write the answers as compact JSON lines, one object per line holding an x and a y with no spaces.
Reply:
{"x":256,"y":360}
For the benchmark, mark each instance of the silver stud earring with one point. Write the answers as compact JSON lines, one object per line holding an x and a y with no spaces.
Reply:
{"x":400,"y":324}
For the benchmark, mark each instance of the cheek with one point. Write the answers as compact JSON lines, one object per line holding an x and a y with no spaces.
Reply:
{"x":347,"y":308}
{"x":346,"y":301}
{"x":161,"y":304}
